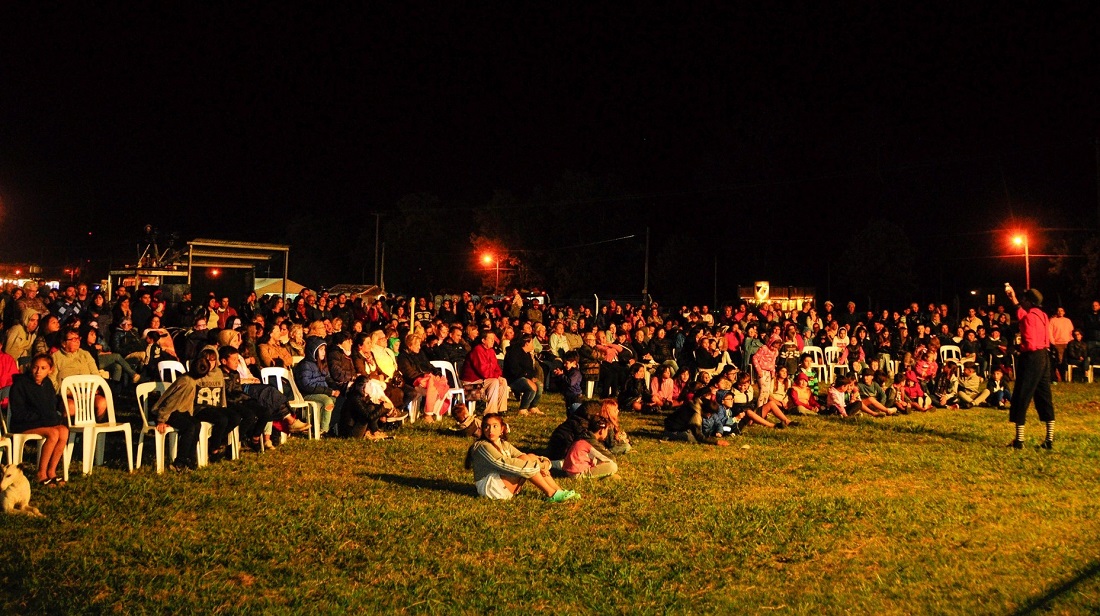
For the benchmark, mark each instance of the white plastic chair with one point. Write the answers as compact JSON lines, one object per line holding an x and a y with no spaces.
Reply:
{"x":832,"y":355}
{"x":171,"y":436}
{"x":275,"y":376}
{"x":82,"y":389}
{"x":892,"y":366}
{"x":149,"y":428}
{"x":950,"y":352}
{"x":5,"y":444}
{"x":169,"y":369}
{"x":817,"y":360}
{"x":456,"y":392}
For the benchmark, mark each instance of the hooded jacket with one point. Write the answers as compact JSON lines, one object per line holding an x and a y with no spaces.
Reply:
{"x":308,"y":373}
{"x":20,"y":339}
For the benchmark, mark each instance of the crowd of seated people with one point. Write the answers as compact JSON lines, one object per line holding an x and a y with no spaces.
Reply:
{"x":365,"y":362}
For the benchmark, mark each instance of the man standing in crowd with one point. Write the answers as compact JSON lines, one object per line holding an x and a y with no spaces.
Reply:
{"x":1092,"y":331}
{"x":1033,"y":373}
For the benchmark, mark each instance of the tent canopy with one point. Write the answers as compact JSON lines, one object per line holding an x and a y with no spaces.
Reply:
{"x":274,"y":286}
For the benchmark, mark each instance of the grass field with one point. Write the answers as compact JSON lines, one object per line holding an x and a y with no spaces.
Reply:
{"x":919,"y":514}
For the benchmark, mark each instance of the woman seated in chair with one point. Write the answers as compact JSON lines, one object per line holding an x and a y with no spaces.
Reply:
{"x":417,"y":370}
{"x":36,"y":409}
{"x":113,"y":363}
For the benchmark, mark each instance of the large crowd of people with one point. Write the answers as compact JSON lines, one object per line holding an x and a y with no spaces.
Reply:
{"x":367,"y":362}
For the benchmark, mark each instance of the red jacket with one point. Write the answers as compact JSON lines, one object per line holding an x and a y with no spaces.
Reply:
{"x":481,"y":364}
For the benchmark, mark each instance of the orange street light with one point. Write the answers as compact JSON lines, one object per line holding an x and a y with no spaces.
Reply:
{"x":487,"y":259}
{"x":1021,"y":240}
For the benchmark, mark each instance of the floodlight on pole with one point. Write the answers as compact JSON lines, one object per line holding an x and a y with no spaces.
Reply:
{"x":1021,"y":240}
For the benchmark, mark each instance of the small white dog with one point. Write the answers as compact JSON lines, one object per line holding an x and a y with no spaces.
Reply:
{"x":17,"y":492}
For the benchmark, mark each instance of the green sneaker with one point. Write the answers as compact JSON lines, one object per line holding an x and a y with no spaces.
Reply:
{"x":563,"y":495}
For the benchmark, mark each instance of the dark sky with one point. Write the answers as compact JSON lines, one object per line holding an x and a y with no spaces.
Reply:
{"x":204,"y":119}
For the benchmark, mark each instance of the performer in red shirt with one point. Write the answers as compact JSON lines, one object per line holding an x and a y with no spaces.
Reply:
{"x":1033,"y":372}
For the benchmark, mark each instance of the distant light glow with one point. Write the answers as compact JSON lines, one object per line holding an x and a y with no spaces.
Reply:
{"x":1018,"y":240}
{"x":487,"y":259}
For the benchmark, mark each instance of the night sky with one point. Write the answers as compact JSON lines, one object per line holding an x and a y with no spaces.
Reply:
{"x":794,"y":120}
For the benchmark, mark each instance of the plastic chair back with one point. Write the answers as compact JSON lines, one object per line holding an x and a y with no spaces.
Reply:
{"x":275,"y":376}
{"x":449,"y":373}
{"x":142,"y":392}
{"x":82,"y":388}
{"x":169,"y":369}
{"x":950,"y":352}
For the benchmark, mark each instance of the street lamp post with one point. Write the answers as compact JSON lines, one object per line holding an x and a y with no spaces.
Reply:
{"x":1021,"y":240}
{"x":487,"y":259}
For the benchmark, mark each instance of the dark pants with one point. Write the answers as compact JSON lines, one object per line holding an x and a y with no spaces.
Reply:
{"x":1032,"y":381}
{"x":187,"y":424}
{"x":250,"y":416}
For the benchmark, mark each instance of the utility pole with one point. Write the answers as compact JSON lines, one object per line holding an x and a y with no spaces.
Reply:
{"x":382,"y":274}
{"x":377,"y":227}
{"x":1096,"y":142}
{"x":645,"y":281}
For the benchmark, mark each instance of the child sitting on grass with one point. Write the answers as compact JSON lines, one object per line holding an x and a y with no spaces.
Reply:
{"x":997,"y":386}
{"x":617,"y":440}
{"x":466,"y":423}
{"x":872,"y":395}
{"x":717,"y":421}
{"x":574,"y":427}
{"x":971,"y":389}
{"x":802,"y":399}
{"x":844,"y":397}
{"x":500,"y":470}
{"x":588,"y":457}
{"x":807,"y":369}
{"x":635,"y":393}
{"x":947,"y":387}
{"x":911,"y":394}
{"x":686,"y":422}
{"x":570,"y":380}
{"x":744,"y":405}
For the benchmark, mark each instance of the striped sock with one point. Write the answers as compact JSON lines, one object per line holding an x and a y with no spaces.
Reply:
{"x":1050,"y":431}
{"x":1019,"y":432}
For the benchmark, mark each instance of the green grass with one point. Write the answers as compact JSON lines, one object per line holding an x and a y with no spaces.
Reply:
{"x":920,"y":514}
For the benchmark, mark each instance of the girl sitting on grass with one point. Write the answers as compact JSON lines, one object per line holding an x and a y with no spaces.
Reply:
{"x":616,"y":441}
{"x":947,"y":387}
{"x":662,"y":388}
{"x":588,"y":457}
{"x":744,"y":405}
{"x":500,"y":470}
{"x":364,"y":409}
{"x":635,"y":394}
{"x":801,"y":399}
{"x":911,"y":394}
{"x":926,"y":369}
